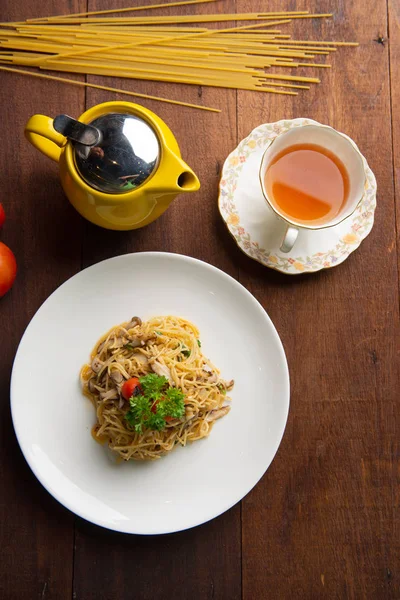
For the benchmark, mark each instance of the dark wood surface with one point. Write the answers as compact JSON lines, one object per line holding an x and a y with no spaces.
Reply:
{"x":324,"y":520}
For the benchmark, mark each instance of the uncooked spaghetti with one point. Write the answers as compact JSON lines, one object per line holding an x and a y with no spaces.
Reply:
{"x":152,"y":388}
{"x":184,"y":49}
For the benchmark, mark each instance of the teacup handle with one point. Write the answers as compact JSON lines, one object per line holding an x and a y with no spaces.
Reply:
{"x":289,"y":238}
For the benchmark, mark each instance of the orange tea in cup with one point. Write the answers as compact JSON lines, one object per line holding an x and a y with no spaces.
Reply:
{"x":307,"y":183}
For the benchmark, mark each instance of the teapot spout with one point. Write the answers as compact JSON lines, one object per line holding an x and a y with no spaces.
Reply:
{"x":180,"y":176}
{"x":187,"y":181}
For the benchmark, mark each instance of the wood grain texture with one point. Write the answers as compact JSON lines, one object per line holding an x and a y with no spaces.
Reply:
{"x":394,"y":56}
{"x":324,"y":521}
{"x":320,"y":523}
{"x":393,"y":44}
{"x":36,"y":533}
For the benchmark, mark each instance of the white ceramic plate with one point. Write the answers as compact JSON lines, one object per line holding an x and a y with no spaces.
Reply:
{"x":52,"y":418}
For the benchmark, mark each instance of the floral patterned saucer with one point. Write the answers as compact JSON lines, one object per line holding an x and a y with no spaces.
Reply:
{"x":259,"y":232}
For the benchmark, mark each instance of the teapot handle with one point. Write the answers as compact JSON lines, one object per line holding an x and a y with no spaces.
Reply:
{"x":39,"y":131}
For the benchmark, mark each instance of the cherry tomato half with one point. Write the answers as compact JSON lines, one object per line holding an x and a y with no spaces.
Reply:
{"x":8,"y":269}
{"x":2,"y":215}
{"x":129,"y":387}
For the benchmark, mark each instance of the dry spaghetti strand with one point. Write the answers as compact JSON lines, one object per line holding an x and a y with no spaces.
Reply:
{"x":108,"y":89}
{"x":123,"y":10}
{"x":170,"y":49}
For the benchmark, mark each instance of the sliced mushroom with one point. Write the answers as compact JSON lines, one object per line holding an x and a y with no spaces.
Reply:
{"x":228,"y":385}
{"x":119,"y":342}
{"x":96,"y":364}
{"x":141,"y":358}
{"x":100,"y":347}
{"x":103,"y":379}
{"x":203,"y":394}
{"x":147,"y":338}
{"x":213,"y":378}
{"x":134,"y":322}
{"x":135,"y":342}
{"x":91,"y":385}
{"x":98,"y":389}
{"x":110,"y":395}
{"x":218,"y":413}
{"x":161,"y":370}
{"x":116,"y":376}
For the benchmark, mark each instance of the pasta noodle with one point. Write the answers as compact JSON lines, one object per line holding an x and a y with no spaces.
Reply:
{"x":128,"y":9}
{"x":170,"y":48}
{"x":108,"y":89}
{"x":165,"y":347}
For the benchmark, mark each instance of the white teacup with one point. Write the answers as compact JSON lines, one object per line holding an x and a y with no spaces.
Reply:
{"x":333,"y":141}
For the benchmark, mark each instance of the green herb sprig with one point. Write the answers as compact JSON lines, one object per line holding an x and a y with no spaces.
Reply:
{"x":157,"y":403}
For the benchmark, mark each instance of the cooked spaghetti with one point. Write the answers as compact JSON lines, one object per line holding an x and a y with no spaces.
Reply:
{"x":152,"y":388}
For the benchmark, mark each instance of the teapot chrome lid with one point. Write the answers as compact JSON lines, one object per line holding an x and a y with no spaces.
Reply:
{"x":115,"y":153}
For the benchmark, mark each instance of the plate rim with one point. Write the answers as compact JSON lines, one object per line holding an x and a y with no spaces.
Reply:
{"x":46,"y":482}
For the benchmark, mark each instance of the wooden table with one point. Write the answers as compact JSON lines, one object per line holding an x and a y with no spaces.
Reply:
{"x":324,"y":521}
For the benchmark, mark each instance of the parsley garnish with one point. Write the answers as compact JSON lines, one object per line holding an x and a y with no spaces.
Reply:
{"x":157,"y":401}
{"x":199,"y":343}
{"x":172,"y":404}
{"x":153,"y":385}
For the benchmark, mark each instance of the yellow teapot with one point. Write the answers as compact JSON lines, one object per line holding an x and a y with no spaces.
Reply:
{"x":120,"y":164}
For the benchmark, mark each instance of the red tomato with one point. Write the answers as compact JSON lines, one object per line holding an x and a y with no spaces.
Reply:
{"x":2,"y":215}
{"x":129,"y":387}
{"x":8,"y":269}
